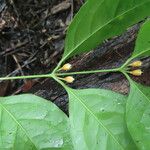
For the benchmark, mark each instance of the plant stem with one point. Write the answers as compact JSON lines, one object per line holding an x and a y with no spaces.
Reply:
{"x":52,"y":75}
{"x":88,"y":72}
{"x":57,"y":67}
{"x":27,"y":77}
{"x":127,"y":76}
{"x":60,"y":82}
{"x":133,"y":57}
{"x":126,"y":63}
{"x":58,"y":74}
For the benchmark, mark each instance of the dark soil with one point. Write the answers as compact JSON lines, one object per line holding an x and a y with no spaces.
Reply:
{"x":32,"y":37}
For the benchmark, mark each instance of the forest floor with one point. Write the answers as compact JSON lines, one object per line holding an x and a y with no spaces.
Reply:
{"x":32,"y":36}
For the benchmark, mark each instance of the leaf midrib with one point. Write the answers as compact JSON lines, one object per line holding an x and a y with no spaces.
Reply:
{"x":137,"y":55}
{"x":140,"y":91}
{"x":103,"y":27}
{"x":15,"y":120}
{"x":92,"y":114}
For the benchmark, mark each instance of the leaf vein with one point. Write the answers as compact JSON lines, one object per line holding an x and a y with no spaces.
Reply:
{"x":18,"y":124}
{"x":99,"y":122}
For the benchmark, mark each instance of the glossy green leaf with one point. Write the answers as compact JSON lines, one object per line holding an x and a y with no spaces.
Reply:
{"x":97,"y":119}
{"x":138,"y":115}
{"x":28,"y":122}
{"x":142,"y":47}
{"x":98,"y":20}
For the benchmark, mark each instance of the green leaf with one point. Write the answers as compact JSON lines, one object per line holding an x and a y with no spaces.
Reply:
{"x":138,"y":115}
{"x":97,"y":119}
{"x":98,"y":20}
{"x":28,"y":122}
{"x":142,"y":47}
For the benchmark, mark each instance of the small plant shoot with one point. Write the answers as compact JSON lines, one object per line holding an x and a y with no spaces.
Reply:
{"x":98,"y":119}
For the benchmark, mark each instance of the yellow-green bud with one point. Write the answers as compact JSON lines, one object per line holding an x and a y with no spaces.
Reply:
{"x":66,"y":67}
{"x":137,"y":63}
{"x":69,"y":79}
{"x":137,"y":72}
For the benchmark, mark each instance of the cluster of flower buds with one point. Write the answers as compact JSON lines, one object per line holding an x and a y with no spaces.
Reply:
{"x":137,"y":72}
{"x":67,"y":67}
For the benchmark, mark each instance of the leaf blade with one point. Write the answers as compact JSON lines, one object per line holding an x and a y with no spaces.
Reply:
{"x":30,"y":122}
{"x":79,"y":37}
{"x":142,"y":47}
{"x":137,"y":114}
{"x":90,"y":125}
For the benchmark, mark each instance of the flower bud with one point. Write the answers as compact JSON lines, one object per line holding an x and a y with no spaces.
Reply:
{"x":69,"y":79}
{"x":137,"y":72}
{"x":137,"y":63}
{"x":66,"y":67}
